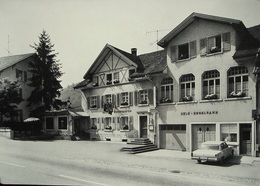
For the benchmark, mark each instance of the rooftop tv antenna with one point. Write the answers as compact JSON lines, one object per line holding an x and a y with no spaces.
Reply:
{"x":157,"y":35}
{"x":7,"y":49}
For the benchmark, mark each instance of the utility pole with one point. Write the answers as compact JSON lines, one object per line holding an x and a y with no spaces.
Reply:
{"x":157,"y":35}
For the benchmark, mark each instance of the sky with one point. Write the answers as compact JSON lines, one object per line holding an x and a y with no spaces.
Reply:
{"x":80,"y":29}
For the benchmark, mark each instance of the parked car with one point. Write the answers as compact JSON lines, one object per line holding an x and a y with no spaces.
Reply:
{"x":215,"y":151}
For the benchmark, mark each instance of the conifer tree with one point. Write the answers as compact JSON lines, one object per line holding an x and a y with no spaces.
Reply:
{"x":45,"y":74}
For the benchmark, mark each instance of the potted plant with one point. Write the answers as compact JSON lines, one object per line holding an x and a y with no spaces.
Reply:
{"x":187,"y":98}
{"x":211,"y":96}
{"x":116,"y":81}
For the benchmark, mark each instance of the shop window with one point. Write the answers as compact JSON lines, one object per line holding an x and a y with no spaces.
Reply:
{"x":187,"y":83}
{"x":167,"y":90}
{"x":62,"y":123}
{"x":238,"y":82}
{"x":228,"y":132}
{"x":211,"y":85}
{"x":49,"y":123}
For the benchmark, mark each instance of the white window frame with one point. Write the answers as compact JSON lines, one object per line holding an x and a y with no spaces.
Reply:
{"x":122,"y":124}
{"x":93,"y":102}
{"x":188,"y":81}
{"x":94,"y":123}
{"x":166,"y":83}
{"x":108,"y":98}
{"x":214,"y":76}
{"x":108,"y":123}
{"x":143,"y":97}
{"x":124,"y":99}
{"x":214,"y":38}
{"x":229,"y":140}
{"x":178,"y":51}
{"x":242,"y":86}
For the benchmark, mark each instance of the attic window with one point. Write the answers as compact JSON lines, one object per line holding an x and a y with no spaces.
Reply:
{"x":183,"y":51}
{"x":214,"y":44}
{"x":109,"y":79}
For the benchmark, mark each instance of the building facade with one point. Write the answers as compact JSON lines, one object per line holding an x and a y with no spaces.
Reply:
{"x":16,"y":68}
{"x":203,"y":86}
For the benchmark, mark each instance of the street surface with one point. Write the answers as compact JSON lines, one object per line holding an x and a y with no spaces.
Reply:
{"x":102,"y":164}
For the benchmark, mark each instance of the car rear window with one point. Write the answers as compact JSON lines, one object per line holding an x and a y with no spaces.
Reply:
{"x":210,"y":147}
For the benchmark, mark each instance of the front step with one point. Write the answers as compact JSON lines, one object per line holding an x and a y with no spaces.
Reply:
{"x":140,"y":145}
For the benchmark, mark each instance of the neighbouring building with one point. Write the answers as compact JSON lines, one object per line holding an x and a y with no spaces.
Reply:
{"x":203,"y":86}
{"x":16,"y":68}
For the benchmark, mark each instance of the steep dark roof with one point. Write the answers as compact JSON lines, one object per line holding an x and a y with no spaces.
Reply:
{"x":8,"y":61}
{"x":83,"y":83}
{"x":190,"y":19}
{"x":255,"y":32}
{"x":153,"y":62}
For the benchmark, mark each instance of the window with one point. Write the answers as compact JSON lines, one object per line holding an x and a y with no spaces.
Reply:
{"x":214,"y":44}
{"x":108,"y":98}
{"x":108,"y":125}
{"x":228,"y":132}
{"x":183,"y":51}
{"x":124,"y":123}
{"x":93,"y":123}
{"x":116,"y":77}
{"x":19,"y":74}
{"x":49,"y":123}
{"x":109,"y":79}
{"x":62,"y":122}
{"x":187,"y":83}
{"x":93,"y":102}
{"x":17,"y":116}
{"x":143,"y":97}
{"x":238,"y":82}
{"x":211,"y":85}
{"x":124,"y":99}
{"x":95,"y":81}
{"x":167,"y":90}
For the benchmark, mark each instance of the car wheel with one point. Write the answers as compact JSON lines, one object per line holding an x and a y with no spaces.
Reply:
{"x":232,"y":153}
{"x":199,"y":161}
{"x":221,"y":161}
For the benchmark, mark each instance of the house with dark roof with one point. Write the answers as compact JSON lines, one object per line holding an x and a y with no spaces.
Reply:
{"x":203,"y":86}
{"x":14,"y":68}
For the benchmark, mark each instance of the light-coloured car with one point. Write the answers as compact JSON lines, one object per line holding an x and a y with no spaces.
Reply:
{"x":215,"y":151}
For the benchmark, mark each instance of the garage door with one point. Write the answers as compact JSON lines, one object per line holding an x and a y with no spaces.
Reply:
{"x":202,"y":133}
{"x":173,"y":137}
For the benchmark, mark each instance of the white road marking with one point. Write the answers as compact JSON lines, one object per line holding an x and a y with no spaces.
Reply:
{"x":78,"y":179}
{"x":7,"y":163}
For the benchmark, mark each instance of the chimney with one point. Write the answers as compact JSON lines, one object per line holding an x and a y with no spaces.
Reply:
{"x":134,"y":51}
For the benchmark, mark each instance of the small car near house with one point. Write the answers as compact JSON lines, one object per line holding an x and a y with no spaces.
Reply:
{"x":214,"y":151}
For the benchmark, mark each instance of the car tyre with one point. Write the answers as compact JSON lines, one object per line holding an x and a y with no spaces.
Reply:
{"x":221,"y":161}
{"x":199,"y":161}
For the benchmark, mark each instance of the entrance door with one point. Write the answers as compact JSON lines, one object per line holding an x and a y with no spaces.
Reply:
{"x":245,"y":139}
{"x":202,"y":133}
{"x":143,"y":126}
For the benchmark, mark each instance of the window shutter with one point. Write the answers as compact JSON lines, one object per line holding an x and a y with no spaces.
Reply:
{"x":98,"y":101}
{"x":102,"y":102}
{"x":203,"y":46}
{"x":150,"y":96}
{"x":173,"y":53}
{"x":88,"y":102}
{"x":226,"y":41}
{"x":25,"y":76}
{"x":193,"y":49}
{"x":131,"y":98}
{"x":131,"y":127}
{"x":117,"y":100}
{"x":136,"y":98}
{"x":113,"y":100}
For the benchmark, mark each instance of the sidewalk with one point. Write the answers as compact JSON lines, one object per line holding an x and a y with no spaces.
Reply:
{"x":186,"y":155}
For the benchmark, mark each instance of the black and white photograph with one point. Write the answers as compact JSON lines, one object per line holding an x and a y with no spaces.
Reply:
{"x":130,"y":93}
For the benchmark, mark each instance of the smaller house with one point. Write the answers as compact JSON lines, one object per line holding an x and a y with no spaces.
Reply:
{"x":65,"y":123}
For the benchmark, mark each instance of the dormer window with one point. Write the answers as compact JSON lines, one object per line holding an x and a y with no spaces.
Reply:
{"x":214,"y":44}
{"x":183,"y":51}
{"x":116,"y":78}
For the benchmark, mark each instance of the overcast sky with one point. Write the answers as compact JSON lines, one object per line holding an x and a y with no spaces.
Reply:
{"x":80,"y":29}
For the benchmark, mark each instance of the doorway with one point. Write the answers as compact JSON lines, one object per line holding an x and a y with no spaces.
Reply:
{"x":245,"y":139}
{"x":143,"y":126}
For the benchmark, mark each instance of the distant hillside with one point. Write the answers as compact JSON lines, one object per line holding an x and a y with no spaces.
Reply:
{"x":74,"y":95}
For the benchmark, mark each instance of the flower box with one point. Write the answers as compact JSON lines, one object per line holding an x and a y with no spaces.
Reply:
{"x":187,"y":98}
{"x":211,"y":96}
{"x":166,"y":100}
{"x":237,"y":94}
{"x":143,"y":102}
{"x":124,"y":103}
{"x":116,"y":81}
{"x":93,"y":106}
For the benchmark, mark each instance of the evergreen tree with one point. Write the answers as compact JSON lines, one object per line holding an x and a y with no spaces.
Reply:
{"x":45,"y":74}
{"x":10,"y":97}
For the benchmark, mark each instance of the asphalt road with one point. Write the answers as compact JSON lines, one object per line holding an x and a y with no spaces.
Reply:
{"x":102,"y":163}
